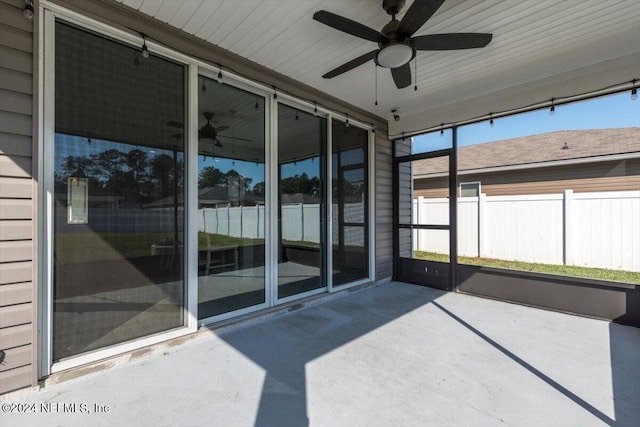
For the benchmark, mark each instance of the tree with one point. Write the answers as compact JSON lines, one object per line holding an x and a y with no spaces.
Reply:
{"x":211,"y":176}
{"x":301,"y":184}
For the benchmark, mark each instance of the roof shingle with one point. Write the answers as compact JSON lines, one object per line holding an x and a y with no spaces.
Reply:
{"x":540,"y":148}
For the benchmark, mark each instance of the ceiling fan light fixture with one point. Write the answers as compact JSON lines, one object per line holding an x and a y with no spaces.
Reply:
{"x":395,"y":55}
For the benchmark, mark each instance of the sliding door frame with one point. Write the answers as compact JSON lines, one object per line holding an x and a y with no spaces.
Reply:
{"x":275,"y":183}
{"x":211,"y":72}
{"x":46,"y":104}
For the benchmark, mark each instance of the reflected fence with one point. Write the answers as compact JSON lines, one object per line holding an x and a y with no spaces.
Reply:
{"x":600,"y":230}
{"x":300,"y":222}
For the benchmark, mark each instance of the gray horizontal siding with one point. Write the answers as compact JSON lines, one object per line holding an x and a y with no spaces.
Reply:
{"x":16,"y":198}
{"x":12,"y":144}
{"x":15,"y":188}
{"x":14,"y":379}
{"x":15,"y":101}
{"x":16,"y":357}
{"x":15,"y":293}
{"x":11,"y":15}
{"x":13,"y":315}
{"x":15,"y":166}
{"x":16,"y":336}
{"x":384,"y":212}
{"x":16,"y":230}
{"x":16,"y":209}
{"x":16,"y":39}
{"x":16,"y":123}
{"x":16,"y":81}
{"x":18,"y":250}
{"x":16,"y":60}
{"x":15,"y":272}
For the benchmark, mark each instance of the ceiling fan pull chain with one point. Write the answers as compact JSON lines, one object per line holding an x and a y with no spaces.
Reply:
{"x":415,"y":73}
{"x":376,"y":68}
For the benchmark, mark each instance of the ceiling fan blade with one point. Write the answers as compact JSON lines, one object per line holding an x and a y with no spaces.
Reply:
{"x":234,"y":137}
{"x":351,"y":64}
{"x":402,"y":76}
{"x":175,"y":124}
{"x":218,"y":143}
{"x":349,"y":26}
{"x":451,"y":41}
{"x":419,"y":13}
{"x":221,"y":128}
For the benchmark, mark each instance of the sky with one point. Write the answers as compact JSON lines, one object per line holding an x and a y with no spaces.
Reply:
{"x":613,"y":111}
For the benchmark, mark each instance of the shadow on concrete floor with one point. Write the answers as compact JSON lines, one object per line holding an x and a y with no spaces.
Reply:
{"x":306,"y":336}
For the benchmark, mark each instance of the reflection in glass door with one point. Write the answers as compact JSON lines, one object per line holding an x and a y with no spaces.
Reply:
{"x":231,"y":195}
{"x":350,"y":202}
{"x":301,"y":201}
{"x":118,"y":184}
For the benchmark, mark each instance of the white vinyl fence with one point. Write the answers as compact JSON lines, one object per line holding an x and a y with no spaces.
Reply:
{"x":581,"y":229}
{"x":300,"y":222}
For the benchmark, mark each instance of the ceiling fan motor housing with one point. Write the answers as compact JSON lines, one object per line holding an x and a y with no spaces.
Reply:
{"x":397,"y":51}
{"x":392,"y":6}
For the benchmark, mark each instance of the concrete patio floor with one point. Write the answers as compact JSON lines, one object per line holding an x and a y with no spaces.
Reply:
{"x":389,"y":355}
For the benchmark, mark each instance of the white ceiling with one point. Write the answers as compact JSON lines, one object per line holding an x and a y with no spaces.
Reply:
{"x":540,"y":49}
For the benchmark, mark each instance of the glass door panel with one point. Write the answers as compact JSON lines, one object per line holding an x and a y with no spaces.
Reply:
{"x":350,"y":200}
{"x":118,"y":193}
{"x":301,"y":201}
{"x":231,"y":190}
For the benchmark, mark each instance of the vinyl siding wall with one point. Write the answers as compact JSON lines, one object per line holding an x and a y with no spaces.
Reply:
{"x":17,"y":272}
{"x":622,"y":175}
{"x":405,"y":188}
{"x":384,"y":207}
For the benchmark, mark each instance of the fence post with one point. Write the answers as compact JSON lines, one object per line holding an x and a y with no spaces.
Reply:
{"x":204,"y":219}
{"x":302,"y":221}
{"x":217,"y":220}
{"x":419,"y":221}
{"x":567,"y":228}
{"x":482,"y":225}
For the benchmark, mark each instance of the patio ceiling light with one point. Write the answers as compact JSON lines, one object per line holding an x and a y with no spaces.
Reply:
{"x":28,"y":10}
{"x":395,"y":55}
{"x":145,"y":49}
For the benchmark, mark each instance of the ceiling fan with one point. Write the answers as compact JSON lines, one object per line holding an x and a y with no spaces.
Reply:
{"x":396,"y":46}
{"x":208,"y":132}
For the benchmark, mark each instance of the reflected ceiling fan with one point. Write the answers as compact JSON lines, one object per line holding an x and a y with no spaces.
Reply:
{"x":396,"y":44}
{"x":208,"y":131}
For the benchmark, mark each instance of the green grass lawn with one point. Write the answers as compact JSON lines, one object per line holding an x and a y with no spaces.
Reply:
{"x":87,"y":247}
{"x":562,"y":270}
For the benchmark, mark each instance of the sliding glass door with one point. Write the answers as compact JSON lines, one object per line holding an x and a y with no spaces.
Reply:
{"x":231,"y":199}
{"x":125,"y":222}
{"x":301,"y":257}
{"x":118,"y":193}
{"x":350,"y":203}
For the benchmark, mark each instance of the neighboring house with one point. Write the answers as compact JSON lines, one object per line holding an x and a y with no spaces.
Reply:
{"x":580,"y":160}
